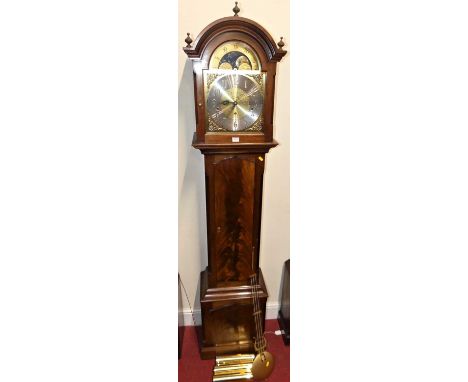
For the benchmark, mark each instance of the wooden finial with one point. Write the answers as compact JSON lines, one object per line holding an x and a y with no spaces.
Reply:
{"x":188,"y":40}
{"x":236,"y":10}
{"x":281,"y":43}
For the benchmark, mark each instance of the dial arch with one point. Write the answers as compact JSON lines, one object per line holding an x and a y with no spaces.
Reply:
{"x":234,"y":55}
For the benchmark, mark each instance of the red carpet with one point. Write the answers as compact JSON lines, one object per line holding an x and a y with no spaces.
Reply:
{"x":193,"y":369}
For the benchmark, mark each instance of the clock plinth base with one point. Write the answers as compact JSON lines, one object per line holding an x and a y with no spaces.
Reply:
{"x":228,"y":326}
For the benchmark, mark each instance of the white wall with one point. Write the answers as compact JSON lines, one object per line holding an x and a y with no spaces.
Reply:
{"x":274,"y":250}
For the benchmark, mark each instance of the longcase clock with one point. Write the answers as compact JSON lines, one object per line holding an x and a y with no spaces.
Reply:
{"x":234,"y":65}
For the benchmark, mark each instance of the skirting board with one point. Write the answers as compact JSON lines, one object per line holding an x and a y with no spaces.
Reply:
{"x":271,"y":314}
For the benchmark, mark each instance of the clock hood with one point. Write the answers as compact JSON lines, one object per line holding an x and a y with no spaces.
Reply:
{"x":235,"y":24}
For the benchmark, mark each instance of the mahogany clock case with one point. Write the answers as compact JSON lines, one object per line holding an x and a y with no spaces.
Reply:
{"x":234,"y":167}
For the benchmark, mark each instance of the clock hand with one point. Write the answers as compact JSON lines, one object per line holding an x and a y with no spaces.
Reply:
{"x":226,"y":102}
{"x":223,"y":110}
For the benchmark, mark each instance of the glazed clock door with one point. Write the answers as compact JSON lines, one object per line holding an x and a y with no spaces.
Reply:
{"x":235,"y":186}
{"x":234,"y":100}
{"x":234,"y":91}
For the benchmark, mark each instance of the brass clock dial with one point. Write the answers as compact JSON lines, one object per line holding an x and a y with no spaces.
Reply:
{"x":234,"y":55}
{"x":234,"y":100}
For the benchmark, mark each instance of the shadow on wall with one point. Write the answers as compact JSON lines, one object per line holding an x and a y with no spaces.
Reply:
{"x":192,"y":211}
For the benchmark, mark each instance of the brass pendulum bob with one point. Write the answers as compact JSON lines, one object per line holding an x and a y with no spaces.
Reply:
{"x":263,"y":365}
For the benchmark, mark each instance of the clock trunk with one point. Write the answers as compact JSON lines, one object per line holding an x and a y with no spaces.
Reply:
{"x":233,"y":195}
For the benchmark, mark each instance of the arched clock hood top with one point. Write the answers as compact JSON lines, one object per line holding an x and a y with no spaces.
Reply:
{"x":235,"y":24}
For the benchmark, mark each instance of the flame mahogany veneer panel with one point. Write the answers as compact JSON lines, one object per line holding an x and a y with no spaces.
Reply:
{"x":234,"y":193}
{"x":234,"y":208}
